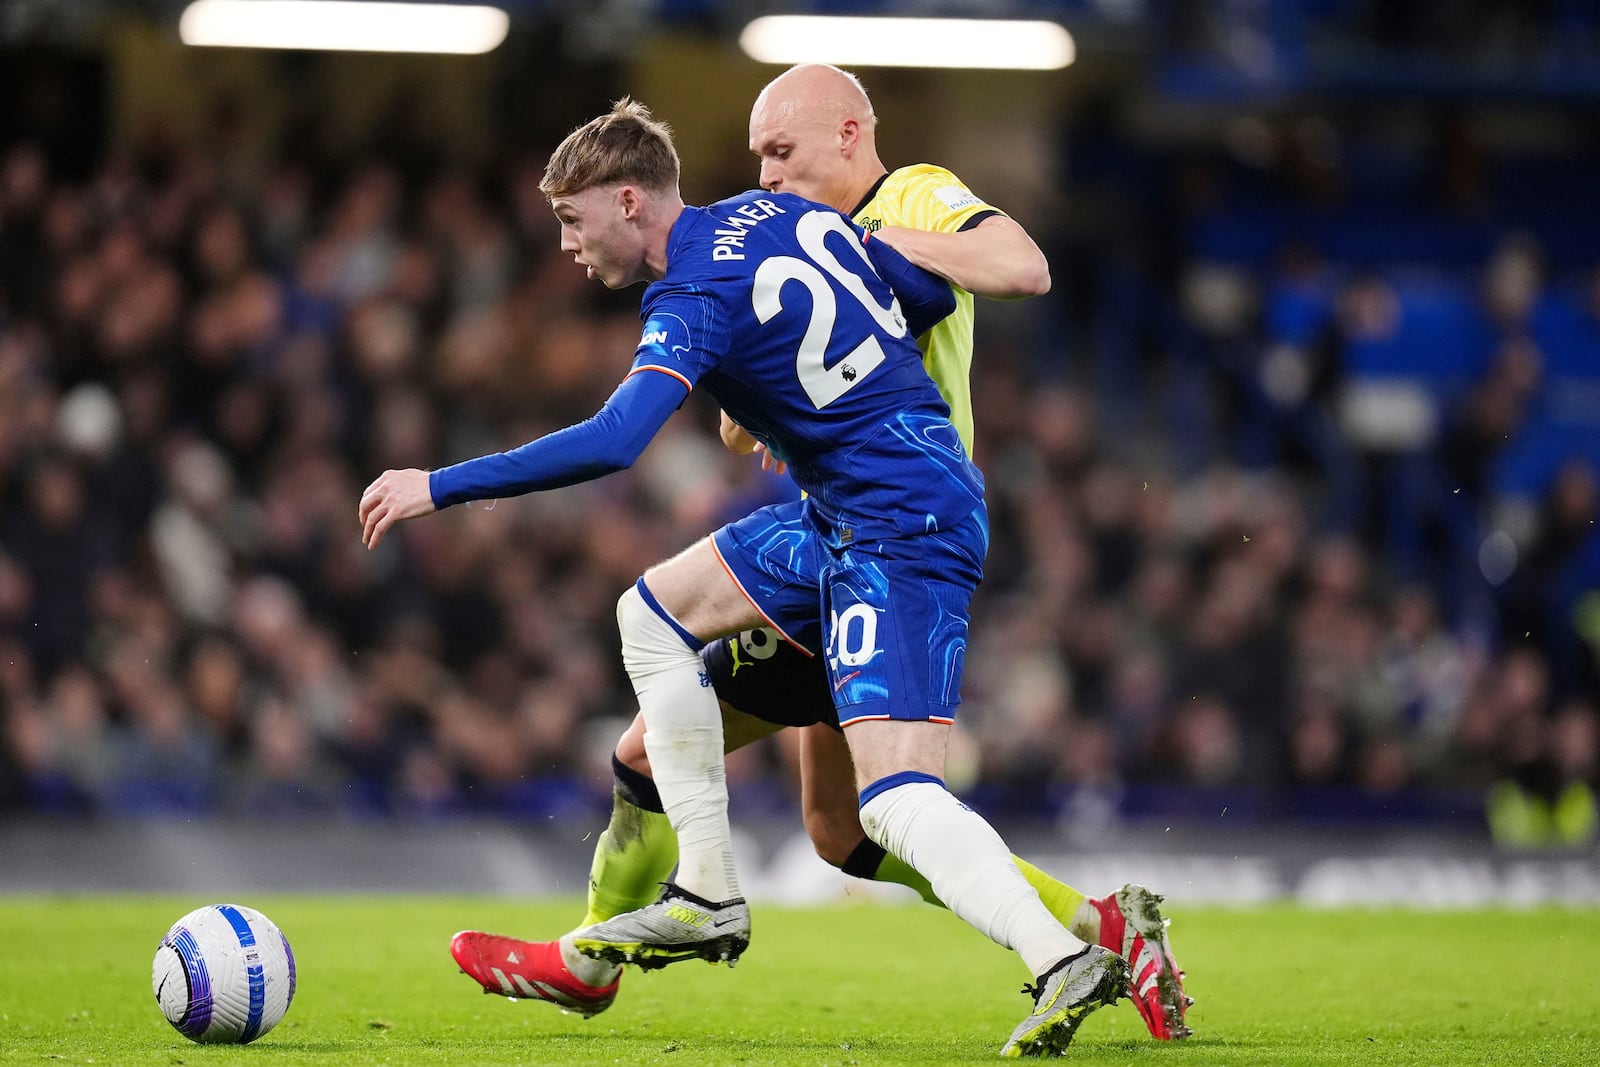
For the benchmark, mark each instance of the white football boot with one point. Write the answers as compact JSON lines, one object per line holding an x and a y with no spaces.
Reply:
{"x":678,"y":926}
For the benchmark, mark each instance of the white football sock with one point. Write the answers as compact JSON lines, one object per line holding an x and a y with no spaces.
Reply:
{"x":968,"y":865}
{"x":683,"y":737}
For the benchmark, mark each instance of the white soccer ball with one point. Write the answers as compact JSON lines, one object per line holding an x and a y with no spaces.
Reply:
{"x":223,"y":974}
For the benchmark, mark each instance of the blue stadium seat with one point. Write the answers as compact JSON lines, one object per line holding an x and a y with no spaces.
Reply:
{"x":1388,"y":237}
{"x":1528,"y":466}
{"x":1295,"y":313}
{"x":1248,"y":236}
{"x":1442,"y":341}
{"x":1569,"y":336}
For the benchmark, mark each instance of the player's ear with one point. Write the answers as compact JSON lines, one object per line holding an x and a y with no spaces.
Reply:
{"x":629,"y":199}
{"x":849,"y":137}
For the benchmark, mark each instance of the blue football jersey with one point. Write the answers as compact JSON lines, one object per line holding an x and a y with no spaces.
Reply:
{"x":771,"y":303}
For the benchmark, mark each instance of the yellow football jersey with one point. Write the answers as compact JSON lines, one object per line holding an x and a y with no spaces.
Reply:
{"x":927,"y":197}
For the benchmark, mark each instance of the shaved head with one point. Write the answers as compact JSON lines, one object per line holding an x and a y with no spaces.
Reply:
{"x":813,"y":129}
{"x":816,"y":92}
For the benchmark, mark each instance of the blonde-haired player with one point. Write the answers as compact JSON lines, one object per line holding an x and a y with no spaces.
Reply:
{"x":813,"y":130}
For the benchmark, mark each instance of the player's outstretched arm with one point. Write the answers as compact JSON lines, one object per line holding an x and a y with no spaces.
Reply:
{"x":996,"y":258}
{"x":608,"y":442}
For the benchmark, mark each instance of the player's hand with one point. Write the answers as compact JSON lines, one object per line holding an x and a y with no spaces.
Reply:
{"x":740,"y":442}
{"x":735,"y":438}
{"x":394,"y":497}
{"x":769,"y":462}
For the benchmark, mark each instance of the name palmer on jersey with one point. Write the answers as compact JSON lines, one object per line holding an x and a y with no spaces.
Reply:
{"x":729,"y":243}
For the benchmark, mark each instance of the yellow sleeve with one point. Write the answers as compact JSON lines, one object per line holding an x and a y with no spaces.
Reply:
{"x":928,"y":197}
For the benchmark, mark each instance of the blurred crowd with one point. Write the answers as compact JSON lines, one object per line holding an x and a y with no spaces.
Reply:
{"x":200,"y":368}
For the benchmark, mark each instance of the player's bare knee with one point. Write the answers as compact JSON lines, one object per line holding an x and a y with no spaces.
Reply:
{"x":630,"y":747}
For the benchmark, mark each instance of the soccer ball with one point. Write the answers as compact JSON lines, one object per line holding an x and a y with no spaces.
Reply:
{"x":223,"y":974}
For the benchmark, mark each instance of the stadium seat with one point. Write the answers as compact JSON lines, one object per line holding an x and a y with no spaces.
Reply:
{"x":1295,"y":312}
{"x":1527,"y":467}
{"x":1568,"y":336}
{"x":1442,"y":341}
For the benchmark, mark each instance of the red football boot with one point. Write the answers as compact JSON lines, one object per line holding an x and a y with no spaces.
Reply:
{"x":1131,"y":924}
{"x":531,"y":970}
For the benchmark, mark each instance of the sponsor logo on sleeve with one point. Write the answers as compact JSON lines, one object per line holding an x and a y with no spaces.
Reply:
{"x":669,"y":333}
{"x":956,"y":197}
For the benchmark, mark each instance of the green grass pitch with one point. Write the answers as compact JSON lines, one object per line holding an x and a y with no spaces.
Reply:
{"x":865,"y":984}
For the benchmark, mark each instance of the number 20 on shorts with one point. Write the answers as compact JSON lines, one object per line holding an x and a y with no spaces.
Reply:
{"x":852,"y":636}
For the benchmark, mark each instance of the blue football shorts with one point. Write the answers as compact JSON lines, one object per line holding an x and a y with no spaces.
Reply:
{"x":887,"y":618}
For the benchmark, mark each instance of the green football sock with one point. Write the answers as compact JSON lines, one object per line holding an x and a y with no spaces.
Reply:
{"x":871,"y":861}
{"x":634,"y":855}
{"x":1060,"y":899}
{"x":893,"y":869}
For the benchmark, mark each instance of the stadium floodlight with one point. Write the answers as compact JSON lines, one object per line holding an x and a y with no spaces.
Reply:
{"x":344,"y":26}
{"x":995,"y":44}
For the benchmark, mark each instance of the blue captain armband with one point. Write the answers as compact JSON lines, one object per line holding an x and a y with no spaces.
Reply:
{"x":609,"y":441}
